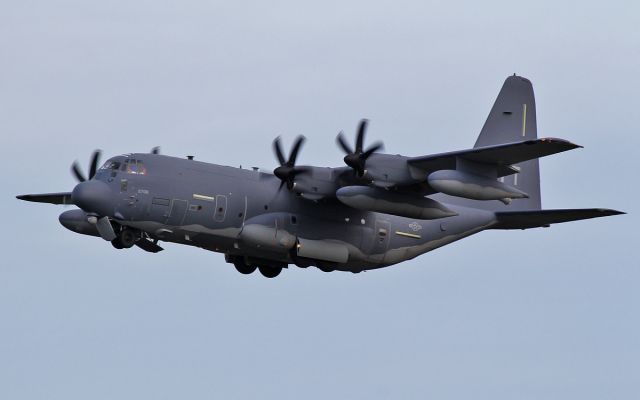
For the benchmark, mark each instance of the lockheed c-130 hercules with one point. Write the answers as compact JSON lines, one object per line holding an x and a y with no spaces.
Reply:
{"x":379,"y":210}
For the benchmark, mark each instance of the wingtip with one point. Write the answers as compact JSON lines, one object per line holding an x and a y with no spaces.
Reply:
{"x":564,"y":141}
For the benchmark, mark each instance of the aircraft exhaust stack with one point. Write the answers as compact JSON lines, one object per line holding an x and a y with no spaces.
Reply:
{"x":472,"y":186}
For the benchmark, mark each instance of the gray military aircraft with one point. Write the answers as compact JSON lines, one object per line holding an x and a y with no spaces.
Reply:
{"x":379,"y":210}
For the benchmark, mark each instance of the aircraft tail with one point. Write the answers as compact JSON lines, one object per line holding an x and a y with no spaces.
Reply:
{"x":544,"y":218}
{"x":513,"y":119}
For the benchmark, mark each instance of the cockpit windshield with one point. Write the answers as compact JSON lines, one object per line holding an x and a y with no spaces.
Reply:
{"x":112,"y":165}
{"x":135,"y":167}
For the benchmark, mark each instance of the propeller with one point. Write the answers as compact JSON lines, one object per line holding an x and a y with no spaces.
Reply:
{"x":357,"y":158}
{"x":287,"y":170}
{"x":93,"y":167}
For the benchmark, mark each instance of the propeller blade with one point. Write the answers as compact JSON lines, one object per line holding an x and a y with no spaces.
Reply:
{"x":155,"y":150}
{"x":342,"y":142}
{"x":277,"y":148}
{"x":77,"y":172}
{"x":287,"y":170}
{"x":360,"y":137}
{"x":95,"y":158}
{"x":296,"y":148}
{"x":374,"y":147}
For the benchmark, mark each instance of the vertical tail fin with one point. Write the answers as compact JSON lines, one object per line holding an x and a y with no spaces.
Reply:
{"x":513,"y":119}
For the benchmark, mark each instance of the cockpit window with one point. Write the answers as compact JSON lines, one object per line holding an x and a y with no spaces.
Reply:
{"x":113,"y":165}
{"x":135,"y":167}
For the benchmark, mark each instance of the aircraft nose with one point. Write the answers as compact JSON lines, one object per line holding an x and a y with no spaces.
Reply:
{"x":94,"y":197}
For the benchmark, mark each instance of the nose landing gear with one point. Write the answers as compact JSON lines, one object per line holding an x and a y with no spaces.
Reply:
{"x":126,"y":238}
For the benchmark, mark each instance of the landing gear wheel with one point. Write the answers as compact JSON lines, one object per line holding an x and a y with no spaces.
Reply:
{"x":244,"y":268}
{"x":127,"y":238}
{"x":269,"y":272}
{"x":117,"y":244}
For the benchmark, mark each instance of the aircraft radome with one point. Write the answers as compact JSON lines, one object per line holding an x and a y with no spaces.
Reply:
{"x":378,"y":210}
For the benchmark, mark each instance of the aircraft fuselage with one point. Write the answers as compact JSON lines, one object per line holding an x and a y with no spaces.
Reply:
{"x":246,"y":214}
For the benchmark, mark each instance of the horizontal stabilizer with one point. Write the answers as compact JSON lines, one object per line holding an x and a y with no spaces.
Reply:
{"x":53,"y":198}
{"x":544,"y":218}
{"x":501,"y":154}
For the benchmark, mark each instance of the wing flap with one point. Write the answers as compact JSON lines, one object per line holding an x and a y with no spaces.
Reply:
{"x":52,"y":198}
{"x":544,"y":218}
{"x":503,"y":154}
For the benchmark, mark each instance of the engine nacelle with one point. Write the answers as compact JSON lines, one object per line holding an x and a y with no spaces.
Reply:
{"x":388,"y":202}
{"x":471,"y":186}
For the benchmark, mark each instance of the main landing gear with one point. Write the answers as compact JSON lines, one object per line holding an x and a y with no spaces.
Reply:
{"x":269,"y":272}
{"x":266,"y":270}
{"x":244,"y":268}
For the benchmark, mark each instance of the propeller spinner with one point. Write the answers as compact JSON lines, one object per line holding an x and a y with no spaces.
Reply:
{"x":357,"y":158}
{"x":287,"y":171}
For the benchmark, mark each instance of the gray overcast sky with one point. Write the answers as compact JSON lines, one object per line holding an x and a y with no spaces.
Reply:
{"x":558,"y":319}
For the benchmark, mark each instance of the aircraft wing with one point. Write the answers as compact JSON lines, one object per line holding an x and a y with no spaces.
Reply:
{"x":53,"y":198}
{"x":502,"y":154}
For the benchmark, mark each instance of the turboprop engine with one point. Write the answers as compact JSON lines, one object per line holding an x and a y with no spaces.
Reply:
{"x":472,"y":186}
